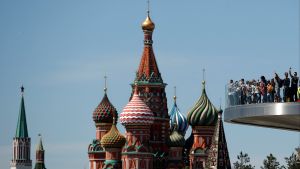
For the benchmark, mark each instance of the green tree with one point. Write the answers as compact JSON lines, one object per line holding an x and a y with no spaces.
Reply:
{"x":291,"y":162}
{"x":243,"y":162}
{"x":271,"y":163}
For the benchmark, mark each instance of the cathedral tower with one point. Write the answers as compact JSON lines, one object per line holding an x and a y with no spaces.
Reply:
{"x":103,"y":118}
{"x":176,"y":141}
{"x":151,"y":89}
{"x":113,"y":142}
{"x":21,"y":141}
{"x":137,"y":119}
{"x":203,"y":118}
{"x":218,"y":156}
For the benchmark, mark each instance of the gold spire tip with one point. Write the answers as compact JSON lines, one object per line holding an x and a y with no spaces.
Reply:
{"x":174,"y":97}
{"x":105,"y":83}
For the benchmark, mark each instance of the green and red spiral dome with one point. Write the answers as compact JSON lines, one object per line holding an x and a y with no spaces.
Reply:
{"x":204,"y":113}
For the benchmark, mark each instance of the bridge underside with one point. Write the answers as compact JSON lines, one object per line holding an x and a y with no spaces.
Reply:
{"x":273,"y":115}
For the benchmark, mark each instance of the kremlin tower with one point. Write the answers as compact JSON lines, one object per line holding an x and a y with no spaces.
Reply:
{"x":21,"y":142}
{"x":40,"y":155}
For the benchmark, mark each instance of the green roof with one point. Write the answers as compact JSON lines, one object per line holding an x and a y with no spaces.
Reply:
{"x":22,"y":131}
{"x":39,"y":166}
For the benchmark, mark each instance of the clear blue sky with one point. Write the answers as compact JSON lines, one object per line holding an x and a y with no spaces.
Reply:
{"x":61,"y":49}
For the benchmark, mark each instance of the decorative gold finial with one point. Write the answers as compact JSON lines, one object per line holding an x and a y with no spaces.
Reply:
{"x":203,"y":74}
{"x":105,"y":81}
{"x":175,"y":97}
{"x":203,"y":78}
{"x":148,"y":25}
{"x":148,"y":7}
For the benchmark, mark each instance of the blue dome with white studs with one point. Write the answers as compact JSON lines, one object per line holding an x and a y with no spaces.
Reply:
{"x":176,"y":118}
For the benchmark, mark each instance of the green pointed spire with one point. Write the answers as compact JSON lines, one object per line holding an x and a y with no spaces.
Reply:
{"x":22,"y":131}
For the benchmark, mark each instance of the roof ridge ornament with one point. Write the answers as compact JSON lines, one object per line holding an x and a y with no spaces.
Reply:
{"x":203,"y":78}
{"x":105,"y":83}
{"x":175,"y":97}
{"x":22,"y":90}
{"x":148,"y":7}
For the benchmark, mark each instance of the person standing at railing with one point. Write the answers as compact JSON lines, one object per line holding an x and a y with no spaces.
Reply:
{"x":263,"y":88}
{"x":278,"y":85}
{"x":298,"y":93}
{"x":252,"y":91}
{"x":294,"y":82}
{"x":270,"y":91}
{"x":286,"y":87}
{"x":237,"y":93}
{"x":231,"y":91}
{"x":257,"y":93}
{"x":243,"y":91}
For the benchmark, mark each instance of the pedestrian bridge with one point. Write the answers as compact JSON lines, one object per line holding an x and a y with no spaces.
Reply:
{"x":273,"y":115}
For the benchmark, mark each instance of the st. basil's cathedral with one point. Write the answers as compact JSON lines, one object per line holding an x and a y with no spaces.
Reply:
{"x":154,"y":137}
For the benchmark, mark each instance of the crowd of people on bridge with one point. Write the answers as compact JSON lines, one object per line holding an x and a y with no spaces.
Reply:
{"x":264,"y":90}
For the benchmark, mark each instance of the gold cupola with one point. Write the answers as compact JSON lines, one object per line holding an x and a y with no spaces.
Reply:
{"x":148,"y":24}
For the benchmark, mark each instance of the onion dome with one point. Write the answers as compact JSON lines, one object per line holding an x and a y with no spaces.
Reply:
{"x":113,"y":139}
{"x":176,"y":118}
{"x":95,"y":146}
{"x":136,"y":112}
{"x":105,"y":111}
{"x":148,"y":24}
{"x":176,"y":139}
{"x":204,"y":112}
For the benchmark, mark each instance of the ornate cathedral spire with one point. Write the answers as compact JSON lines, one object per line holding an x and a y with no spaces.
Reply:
{"x":150,"y":87}
{"x":21,"y":142}
{"x":218,"y":157}
{"x":148,"y":69}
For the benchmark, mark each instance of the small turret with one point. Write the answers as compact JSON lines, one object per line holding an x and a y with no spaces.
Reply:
{"x":40,"y":155}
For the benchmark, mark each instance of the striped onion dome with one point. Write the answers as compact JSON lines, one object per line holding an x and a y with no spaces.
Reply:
{"x":204,"y":112}
{"x":105,"y":111}
{"x":176,"y":139}
{"x":176,"y":118}
{"x":136,"y":112}
{"x":113,"y":138}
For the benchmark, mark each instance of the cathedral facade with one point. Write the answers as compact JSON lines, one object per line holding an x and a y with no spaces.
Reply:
{"x":155,"y":137}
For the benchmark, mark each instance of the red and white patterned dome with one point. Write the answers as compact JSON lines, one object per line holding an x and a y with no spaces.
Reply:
{"x":136,"y":112}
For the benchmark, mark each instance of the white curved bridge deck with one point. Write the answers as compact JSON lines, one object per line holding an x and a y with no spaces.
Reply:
{"x":273,"y":115}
